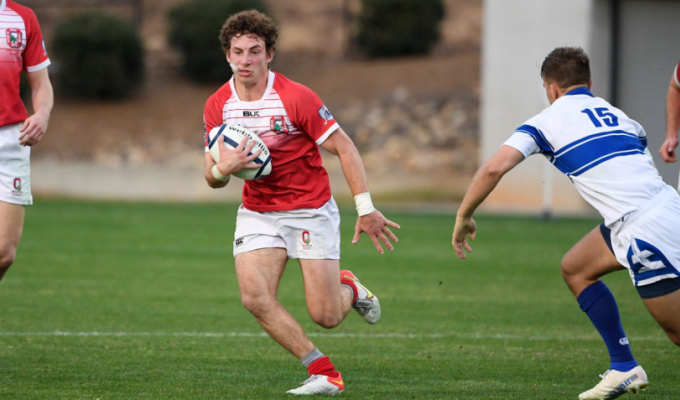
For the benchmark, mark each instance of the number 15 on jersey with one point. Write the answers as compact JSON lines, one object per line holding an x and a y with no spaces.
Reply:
{"x":604,"y":115}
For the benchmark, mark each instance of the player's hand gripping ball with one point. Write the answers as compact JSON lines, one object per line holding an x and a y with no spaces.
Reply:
{"x":232,"y":137}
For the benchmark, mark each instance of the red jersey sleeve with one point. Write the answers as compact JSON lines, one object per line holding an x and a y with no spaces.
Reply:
{"x":35,"y":55}
{"x":306,"y":110}
{"x":212,"y":114}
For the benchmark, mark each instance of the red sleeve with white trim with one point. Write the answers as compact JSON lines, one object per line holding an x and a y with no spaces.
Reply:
{"x":210,"y":120}
{"x":306,"y":110}
{"x":213,"y":114}
{"x":35,"y":54}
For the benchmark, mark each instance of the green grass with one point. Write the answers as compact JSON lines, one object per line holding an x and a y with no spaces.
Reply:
{"x":157,"y":282}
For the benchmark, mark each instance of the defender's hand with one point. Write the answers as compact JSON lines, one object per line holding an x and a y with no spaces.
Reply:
{"x":464,"y":226}
{"x":33,"y":129}
{"x":236,"y":160}
{"x":667,"y":150}
{"x":376,"y":227}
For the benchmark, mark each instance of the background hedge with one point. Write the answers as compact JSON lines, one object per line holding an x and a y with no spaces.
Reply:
{"x":390,"y":28}
{"x":97,"y":55}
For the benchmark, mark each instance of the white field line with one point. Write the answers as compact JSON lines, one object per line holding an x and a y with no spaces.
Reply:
{"x":326,"y":335}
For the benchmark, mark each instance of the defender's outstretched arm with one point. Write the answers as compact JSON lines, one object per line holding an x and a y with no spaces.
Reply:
{"x":485,"y":180}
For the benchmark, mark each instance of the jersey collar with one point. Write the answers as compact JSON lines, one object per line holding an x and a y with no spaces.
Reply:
{"x":580,"y":90}
{"x":270,"y":84}
{"x":3,"y":3}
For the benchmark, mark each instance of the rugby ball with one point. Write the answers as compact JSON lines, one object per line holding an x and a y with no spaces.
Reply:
{"x":232,"y":137}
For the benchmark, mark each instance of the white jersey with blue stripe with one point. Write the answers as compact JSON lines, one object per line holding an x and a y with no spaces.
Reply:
{"x":598,"y":147}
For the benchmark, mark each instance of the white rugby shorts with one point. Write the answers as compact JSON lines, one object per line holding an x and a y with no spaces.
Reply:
{"x":308,"y":233}
{"x":15,"y":168}
{"x":647,"y":241}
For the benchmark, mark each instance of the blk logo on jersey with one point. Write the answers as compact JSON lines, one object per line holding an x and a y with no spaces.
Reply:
{"x":238,"y":242}
{"x":14,"y":38}
{"x":278,"y":124}
{"x":251,"y":113}
{"x":306,"y":240}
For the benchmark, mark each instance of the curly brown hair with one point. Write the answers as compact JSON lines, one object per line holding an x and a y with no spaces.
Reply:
{"x":250,"y":22}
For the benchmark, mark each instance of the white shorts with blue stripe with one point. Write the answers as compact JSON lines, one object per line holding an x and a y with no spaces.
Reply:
{"x":647,"y":241}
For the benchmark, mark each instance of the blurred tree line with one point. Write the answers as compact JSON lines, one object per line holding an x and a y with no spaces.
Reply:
{"x":101,"y":56}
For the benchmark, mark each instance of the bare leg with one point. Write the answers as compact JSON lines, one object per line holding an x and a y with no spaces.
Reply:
{"x":259,"y":273}
{"x":587,"y":261}
{"x":328,"y":303}
{"x":11,"y":227}
{"x":666,"y":311}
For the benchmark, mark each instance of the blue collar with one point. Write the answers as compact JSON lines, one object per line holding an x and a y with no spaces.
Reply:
{"x":580,"y":90}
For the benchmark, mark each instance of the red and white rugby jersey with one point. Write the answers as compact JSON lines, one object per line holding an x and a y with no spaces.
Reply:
{"x":21,"y":47}
{"x":292,"y":121}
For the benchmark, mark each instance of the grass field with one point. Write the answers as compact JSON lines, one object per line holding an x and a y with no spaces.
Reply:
{"x":139,"y":301}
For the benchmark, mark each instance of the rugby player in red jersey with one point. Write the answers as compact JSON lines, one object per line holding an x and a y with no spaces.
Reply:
{"x":290,"y":213}
{"x":667,"y":150}
{"x":21,"y":48}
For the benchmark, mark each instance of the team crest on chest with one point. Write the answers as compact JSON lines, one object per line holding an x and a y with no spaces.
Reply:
{"x":14,"y":38}
{"x":278,"y":124}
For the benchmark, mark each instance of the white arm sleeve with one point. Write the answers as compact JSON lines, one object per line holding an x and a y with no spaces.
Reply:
{"x":524,"y":143}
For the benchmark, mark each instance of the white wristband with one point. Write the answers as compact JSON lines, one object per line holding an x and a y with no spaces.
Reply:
{"x":218,"y":175}
{"x":364,"y":204}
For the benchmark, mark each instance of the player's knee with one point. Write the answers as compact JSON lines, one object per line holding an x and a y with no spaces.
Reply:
{"x":326,"y":320}
{"x":674,"y":337}
{"x":325,"y":316}
{"x":567,"y":274}
{"x":6,"y":260}
{"x":569,"y":270}
{"x":256,"y":304}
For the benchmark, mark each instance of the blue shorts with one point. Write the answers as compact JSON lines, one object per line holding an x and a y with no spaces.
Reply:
{"x":658,"y":289}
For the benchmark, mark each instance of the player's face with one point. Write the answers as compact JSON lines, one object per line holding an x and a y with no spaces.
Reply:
{"x":249,"y":54}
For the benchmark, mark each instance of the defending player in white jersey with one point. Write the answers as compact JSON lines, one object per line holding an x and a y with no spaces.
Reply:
{"x":604,"y":154}
{"x":290,"y":213}
{"x":21,"y":48}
